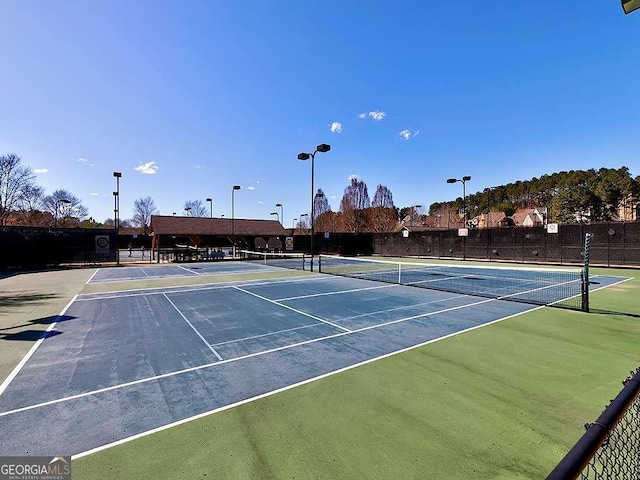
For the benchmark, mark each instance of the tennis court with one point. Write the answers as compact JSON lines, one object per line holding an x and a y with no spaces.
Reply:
{"x":119,"y":364}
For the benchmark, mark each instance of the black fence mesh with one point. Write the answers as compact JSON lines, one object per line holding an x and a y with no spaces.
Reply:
{"x":612,"y":244}
{"x":610,"y":448}
{"x":619,"y":455}
{"x":33,"y":247}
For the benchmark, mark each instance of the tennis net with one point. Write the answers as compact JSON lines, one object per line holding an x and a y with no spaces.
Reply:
{"x":295,"y":261}
{"x":538,"y":286}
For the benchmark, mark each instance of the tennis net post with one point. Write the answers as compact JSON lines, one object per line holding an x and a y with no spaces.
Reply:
{"x":585,"y":273}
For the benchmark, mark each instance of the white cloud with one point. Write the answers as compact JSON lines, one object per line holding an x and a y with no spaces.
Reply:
{"x":407,"y":134}
{"x":353,"y":176}
{"x":362,"y":115}
{"x":93,"y":194}
{"x":260,"y":202}
{"x":336,"y":127}
{"x":200,"y":166}
{"x":148,"y":168}
{"x":333,"y":197}
{"x":41,"y":170}
{"x":251,"y":188}
{"x":376,"y":115}
{"x":84,"y":160}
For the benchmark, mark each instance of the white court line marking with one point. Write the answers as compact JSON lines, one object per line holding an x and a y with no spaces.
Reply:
{"x":288,"y":387}
{"x":33,"y":349}
{"x":92,"y":275}
{"x":186,"y":288}
{"x":404,"y":307}
{"x":286,"y":347}
{"x":187,"y":269}
{"x":610,"y":285}
{"x":236,"y":359}
{"x":143,"y":270}
{"x":265,"y":334}
{"x":85,"y":297}
{"x":338,"y":292}
{"x":300,"y":312}
{"x":194,"y":328}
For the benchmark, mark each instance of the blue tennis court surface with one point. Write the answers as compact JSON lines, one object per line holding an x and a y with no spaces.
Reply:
{"x":120,"y":364}
{"x":145,"y":272}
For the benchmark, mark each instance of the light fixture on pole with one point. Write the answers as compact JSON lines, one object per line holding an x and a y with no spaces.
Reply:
{"x":300,"y":222}
{"x":233,"y":219}
{"x":322,"y":148}
{"x":464,"y":181}
{"x":413,"y":211}
{"x":116,"y":218}
{"x":276,"y":214}
{"x":187,"y":211}
{"x":210,"y":200}
{"x":281,"y":212}
{"x":58,"y":202}
{"x":293,"y":223}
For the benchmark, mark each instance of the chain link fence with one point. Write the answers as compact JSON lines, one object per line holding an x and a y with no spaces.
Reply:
{"x":610,"y":448}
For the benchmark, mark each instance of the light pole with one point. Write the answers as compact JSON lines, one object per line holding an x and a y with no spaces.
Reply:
{"x":58,"y":202}
{"x":488,"y":192}
{"x":276,"y":214}
{"x":464,"y":181}
{"x":412,"y":212}
{"x":210,"y":200}
{"x":322,"y":148}
{"x":300,"y":223}
{"x":293,"y":224}
{"x":116,"y":215}
{"x":281,"y":212}
{"x":187,"y":211}
{"x":233,"y":219}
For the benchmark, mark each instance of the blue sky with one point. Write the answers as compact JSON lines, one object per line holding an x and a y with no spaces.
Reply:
{"x":188,"y":98}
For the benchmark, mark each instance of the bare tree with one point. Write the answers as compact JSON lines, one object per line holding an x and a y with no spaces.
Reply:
{"x":326,"y":222}
{"x":65,"y":208}
{"x":382,"y":198}
{"x":381,"y":219}
{"x":320,"y":204}
{"x":14,"y":180}
{"x":143,"y":208}
{"x":195,"y":208}
{"x":354,"y":201}
{"x":30,"y":207}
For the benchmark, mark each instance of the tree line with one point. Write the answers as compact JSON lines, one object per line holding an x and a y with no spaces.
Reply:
{"x":570,"y":197}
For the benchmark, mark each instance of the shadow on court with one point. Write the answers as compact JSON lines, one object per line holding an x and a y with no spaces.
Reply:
{"x":41,"y":321}
{"x":613,"y":312}
{"x":13,"y":300}
{"x":29,"y":335}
